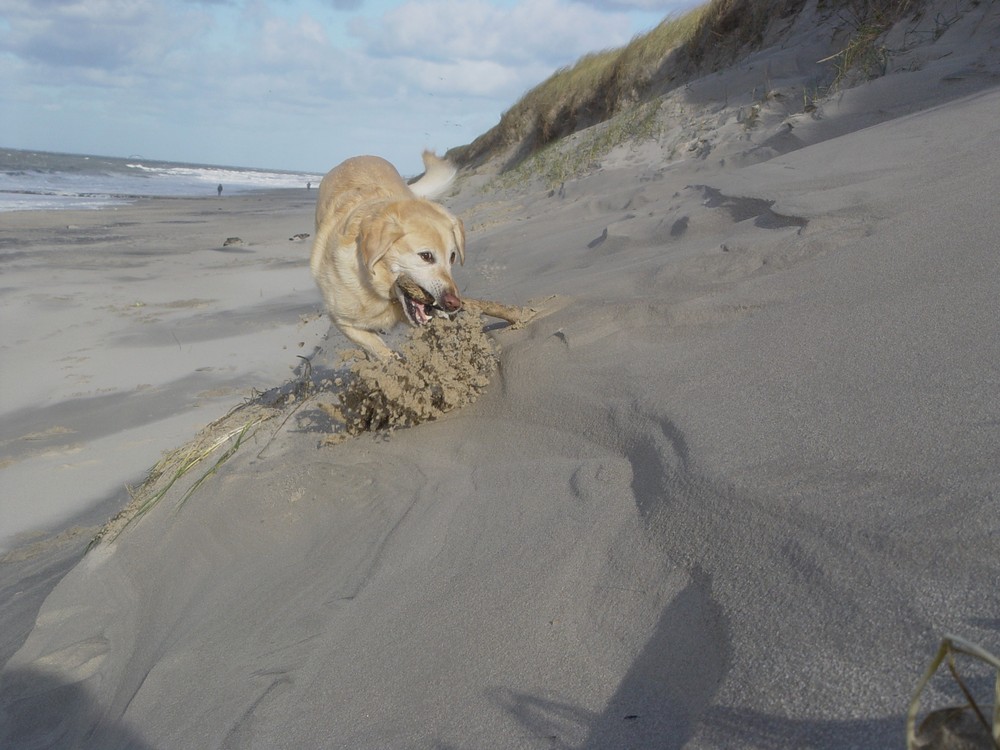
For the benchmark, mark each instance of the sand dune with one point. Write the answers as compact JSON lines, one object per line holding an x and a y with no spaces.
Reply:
{"x":728,"y":489}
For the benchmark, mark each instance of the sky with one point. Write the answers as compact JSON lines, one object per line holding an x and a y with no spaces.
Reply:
{"x":286,"y":84}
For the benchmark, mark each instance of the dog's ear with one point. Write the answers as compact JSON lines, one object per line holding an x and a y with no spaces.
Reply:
{"x":458,"y":230}
{"x":377,"y":235}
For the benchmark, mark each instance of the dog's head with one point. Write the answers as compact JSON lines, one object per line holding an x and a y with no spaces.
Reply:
{"x":409,"y":248}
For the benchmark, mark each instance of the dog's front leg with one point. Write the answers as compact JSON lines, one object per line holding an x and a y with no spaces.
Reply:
{"x":371,"y":342}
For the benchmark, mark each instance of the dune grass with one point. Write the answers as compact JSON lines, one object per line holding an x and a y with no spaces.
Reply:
{"x":950,"y":646}
{"x":605,"y":84}
{"x":230,"y":431}
{"x":864,"y":57}
{"x":554,"y":163}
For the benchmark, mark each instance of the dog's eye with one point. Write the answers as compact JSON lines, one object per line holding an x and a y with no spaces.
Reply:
{"x":426,"y":256}
{"x":452,"y":256}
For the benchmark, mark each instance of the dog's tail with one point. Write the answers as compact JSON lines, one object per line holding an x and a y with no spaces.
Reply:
{"x":438,"y":175}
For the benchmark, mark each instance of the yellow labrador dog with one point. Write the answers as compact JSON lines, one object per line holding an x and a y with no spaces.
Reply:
{"x":371,"y":229}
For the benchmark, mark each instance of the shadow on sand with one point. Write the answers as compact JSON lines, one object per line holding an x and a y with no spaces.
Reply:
{"x":38,"y":711}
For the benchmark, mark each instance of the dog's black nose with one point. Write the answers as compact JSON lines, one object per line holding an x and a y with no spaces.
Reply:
{"x":450,"y":302}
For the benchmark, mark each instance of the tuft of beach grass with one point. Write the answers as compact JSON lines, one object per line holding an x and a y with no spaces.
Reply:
{"x":961,"y":726}
{"x":206,"y":453}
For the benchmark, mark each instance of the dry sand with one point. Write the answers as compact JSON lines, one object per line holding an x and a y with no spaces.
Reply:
{"x":729,"y":489}
{"x":125,"y":330}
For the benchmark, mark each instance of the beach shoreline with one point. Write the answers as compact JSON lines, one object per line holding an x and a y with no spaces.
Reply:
{"x":40,"y":180}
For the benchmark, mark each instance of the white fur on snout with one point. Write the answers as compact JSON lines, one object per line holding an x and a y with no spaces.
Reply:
{"x":428,"y":276}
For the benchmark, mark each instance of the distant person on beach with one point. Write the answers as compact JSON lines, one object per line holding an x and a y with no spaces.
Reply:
{"x":219,"y":190}
{"x":309,"y":186}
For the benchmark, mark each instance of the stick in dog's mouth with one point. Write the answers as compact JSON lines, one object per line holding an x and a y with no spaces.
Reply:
{"x":417,"y":302}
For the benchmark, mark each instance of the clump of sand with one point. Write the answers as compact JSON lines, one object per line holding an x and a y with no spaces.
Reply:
{"x":443,"y":365}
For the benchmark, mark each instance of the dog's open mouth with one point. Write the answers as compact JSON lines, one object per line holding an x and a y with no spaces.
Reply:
{"x":418,"y":303}
{"x":417,"y":313}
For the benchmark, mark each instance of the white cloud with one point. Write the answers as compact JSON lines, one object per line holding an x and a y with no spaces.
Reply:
{"x":662,"y":6}
{"x":291,"y":44}
{"x":455,"y":30}
{"x":299,"y":78}
{"x":475,"y":48}
{"x":475,"y":77}
{"x":98,"y":34}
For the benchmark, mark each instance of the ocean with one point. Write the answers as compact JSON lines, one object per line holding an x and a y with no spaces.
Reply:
{"x":40,"y":180}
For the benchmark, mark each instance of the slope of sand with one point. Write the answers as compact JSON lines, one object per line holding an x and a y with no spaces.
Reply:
{"x":729,"y":489}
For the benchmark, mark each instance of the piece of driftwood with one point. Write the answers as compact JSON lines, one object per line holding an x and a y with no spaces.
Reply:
{"x":414,"y":291}
{"x":512,"y":314}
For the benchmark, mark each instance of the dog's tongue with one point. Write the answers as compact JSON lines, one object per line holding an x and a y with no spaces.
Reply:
{"x":420,"y":313}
